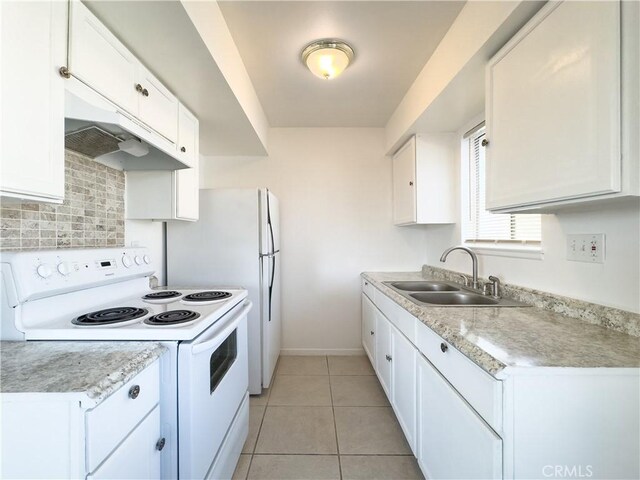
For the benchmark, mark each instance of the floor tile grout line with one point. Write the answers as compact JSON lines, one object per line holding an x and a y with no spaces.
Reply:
{"x":335,"y":425}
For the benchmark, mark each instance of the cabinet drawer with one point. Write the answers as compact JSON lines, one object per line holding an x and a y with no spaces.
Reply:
{"x":111,"y":421}
{"x":403,"y":320}
{"x":481,"y":390}
{"x":368,"y":289}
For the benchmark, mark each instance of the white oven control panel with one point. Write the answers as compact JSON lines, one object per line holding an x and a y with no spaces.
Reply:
{"x":42,"y":273}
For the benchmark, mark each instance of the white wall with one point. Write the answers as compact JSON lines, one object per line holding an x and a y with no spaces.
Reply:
{"x":334,"y":186}
{"x":615,"y":283}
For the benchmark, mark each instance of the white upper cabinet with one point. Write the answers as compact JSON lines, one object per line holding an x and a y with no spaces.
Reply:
{"x":553,"y":108}
{"x":157,"y":107}
{"x":187,"y":181}
{"x":169,"y":195}
{"x":33,"y":47}
{"x":100,"y":60}
{"x":423,"y":180}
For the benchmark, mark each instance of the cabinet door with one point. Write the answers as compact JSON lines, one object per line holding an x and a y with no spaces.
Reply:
{"x":403,"y":377}
{"x":369,"y":328}
{"x":97,"y":58}
{"x":383,"y":352}
{"x":188,"y":136}
{"x":157,"y":106}
{"x":137,"y":457}
{"x":553,"y":108}
{"x":33,"y":48}
{"x":453,"y":441}
{"x":404,"y":184}
{"x":187,"y":181}
{"x":187,"y":193}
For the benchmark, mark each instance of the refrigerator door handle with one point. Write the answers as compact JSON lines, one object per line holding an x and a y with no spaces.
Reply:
{"x":273,"y":274}
{"x":273,"y":244}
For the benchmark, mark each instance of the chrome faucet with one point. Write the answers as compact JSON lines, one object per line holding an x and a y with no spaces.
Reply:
{"x":474,"y":260}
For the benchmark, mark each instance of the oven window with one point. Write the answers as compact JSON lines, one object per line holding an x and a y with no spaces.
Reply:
{"x":222,"y":359}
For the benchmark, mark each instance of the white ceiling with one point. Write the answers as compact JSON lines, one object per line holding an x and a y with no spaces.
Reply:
{"x":392,"y":41}
{"x":161,"y":33}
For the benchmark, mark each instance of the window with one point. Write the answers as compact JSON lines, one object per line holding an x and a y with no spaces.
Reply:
{"x":481,"y":228}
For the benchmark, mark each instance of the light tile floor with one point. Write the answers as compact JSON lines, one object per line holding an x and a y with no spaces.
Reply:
{"x":325,"y":418}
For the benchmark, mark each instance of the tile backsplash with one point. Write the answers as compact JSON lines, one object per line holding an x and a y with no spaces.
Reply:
{"x":92,"y":214}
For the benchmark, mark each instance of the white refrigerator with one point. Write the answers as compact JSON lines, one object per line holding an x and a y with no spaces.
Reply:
{"x":236,"y":243}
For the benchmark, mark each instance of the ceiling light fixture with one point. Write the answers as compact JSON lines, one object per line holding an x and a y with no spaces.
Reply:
{"x":327,"y":58}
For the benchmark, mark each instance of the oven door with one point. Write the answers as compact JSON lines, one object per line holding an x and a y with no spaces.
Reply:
{"x":213,"y":379}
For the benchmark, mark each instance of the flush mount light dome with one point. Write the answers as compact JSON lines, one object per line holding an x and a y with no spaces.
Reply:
{"x":327,"y":58}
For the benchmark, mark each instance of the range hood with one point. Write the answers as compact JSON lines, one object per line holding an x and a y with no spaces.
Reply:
{"x":97,"y":128}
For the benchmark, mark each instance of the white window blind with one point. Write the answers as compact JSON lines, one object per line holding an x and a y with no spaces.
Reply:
{"x":481,"y":226}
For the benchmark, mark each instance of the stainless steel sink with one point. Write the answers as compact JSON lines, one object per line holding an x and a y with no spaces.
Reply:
{"x":426,"y":286}
{"x":437,"y":293}
{"x":454,"y":298}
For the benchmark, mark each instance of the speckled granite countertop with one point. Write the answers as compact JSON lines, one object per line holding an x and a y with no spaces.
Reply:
{"x":497,"y":338}
{"x":96,"y":369}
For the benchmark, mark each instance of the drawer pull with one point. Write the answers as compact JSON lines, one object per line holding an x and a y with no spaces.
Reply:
{"x":366,"y":283}
{"x":444,"y":347}
{"x":371,"y":332}
{"x":183,"y":149}
{"x":134,"y":392}
{"x":160,"y":444}
{"x":388,"y":357}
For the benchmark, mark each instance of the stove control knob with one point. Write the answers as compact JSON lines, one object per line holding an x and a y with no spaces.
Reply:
{"x":64,"y":268}
{"x":147,"y":259}
{"x":138,"y":260}
{"x":44,"y":270}
{"x":126,"y":261}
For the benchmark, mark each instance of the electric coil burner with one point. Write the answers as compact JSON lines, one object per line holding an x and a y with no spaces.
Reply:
{"x":110,"y":316}
{"x":163,"y":296}
{"x":172,"y":318}
{"x":206,"y":297}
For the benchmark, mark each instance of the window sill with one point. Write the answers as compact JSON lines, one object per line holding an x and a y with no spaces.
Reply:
{"x":529,"y":252}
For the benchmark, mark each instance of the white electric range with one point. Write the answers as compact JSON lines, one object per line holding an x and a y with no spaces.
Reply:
{"x":104,"y":294}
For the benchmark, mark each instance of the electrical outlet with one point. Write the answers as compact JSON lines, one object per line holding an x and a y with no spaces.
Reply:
{"x":587,"y":248}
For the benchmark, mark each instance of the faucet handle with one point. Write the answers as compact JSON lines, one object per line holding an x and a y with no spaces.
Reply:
{"x":495,"y":286}
{"x":465,"y":279}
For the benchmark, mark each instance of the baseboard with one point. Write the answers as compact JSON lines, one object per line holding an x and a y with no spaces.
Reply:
{"x":321,"y":351}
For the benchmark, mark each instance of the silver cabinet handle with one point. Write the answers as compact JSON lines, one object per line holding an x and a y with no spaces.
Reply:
{"x":388,"y":357}
{"x":183,"y":149}
{"x":134,"y":392}
{"x":411,"y":184}
{"x":484,"y":142}
{"x":444,"y":347}
{"x":138,"y":88}
{"x":371,"y":332}
{"x":160,"y":444}
{"x":145,"y":92}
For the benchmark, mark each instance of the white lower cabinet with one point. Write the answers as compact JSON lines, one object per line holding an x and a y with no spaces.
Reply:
{"x":383,"y":353}
{"x":526,"y":422}
{"x":453,"y":441}
{"x":403,"y":380}
{"x":369,"y":328}
{"x":395,"y":365}
{"x":137,"y":457}
{"x":66,"y":435}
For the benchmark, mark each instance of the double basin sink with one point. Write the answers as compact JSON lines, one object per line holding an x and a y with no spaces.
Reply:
{"x":447,"y":294}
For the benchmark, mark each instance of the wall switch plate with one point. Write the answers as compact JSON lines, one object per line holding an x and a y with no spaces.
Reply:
{"x":587,"y":247}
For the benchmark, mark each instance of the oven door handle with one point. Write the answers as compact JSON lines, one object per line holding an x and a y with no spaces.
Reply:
{"x":206,"y":345}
